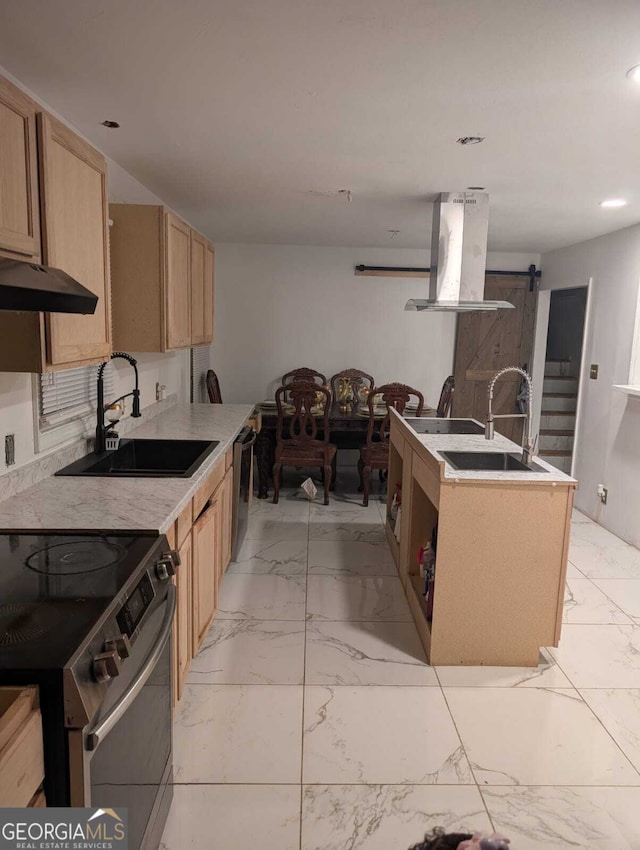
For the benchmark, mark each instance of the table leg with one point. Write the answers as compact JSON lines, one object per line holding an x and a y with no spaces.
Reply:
{"x":263,"y":450}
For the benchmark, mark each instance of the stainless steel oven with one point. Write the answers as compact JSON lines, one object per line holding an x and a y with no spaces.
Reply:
{"x":123,"y":757}
{"x":242,"y":461}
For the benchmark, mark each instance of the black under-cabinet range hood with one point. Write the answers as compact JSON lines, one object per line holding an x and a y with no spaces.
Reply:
{"x":31,"y":287}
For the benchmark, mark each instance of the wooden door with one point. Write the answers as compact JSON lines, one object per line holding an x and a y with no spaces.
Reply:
{"x":209,"y":288}
{"x":198,"y":272}
{"x":182,"y":625}
{"x":205,"y":572}
{"x":73,"y":195}
{"x":226,"y":519}
{"x":487,"y":342}
{"x":177,"y":283}
{"x":19,"y":205}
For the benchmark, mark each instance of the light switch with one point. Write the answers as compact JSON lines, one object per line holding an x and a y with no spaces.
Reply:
{"x":593,"y":371}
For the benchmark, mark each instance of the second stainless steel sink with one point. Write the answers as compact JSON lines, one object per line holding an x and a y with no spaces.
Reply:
{"x":145,"y":459}
{"x":432,"y":425}
{"x":490,"y":462}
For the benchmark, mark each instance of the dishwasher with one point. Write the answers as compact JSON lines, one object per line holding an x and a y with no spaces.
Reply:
{"x":242,"y":460}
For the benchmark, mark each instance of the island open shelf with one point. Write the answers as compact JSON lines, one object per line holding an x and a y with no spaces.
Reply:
{"x":501,"y":557}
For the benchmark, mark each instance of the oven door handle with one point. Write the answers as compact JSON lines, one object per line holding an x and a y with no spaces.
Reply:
{"x":96,"y":735}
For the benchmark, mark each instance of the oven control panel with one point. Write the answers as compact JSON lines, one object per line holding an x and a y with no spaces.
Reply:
{"x":137,"y":602}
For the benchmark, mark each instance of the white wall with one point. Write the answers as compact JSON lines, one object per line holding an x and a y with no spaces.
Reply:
{"x":172,"y":370}
{"x":283,"y":306}
{"x":608,"y":447}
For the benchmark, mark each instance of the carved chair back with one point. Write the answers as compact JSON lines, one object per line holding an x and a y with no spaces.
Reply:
{"x":311,"y":404}
{"x":356,"y":379}
{"x":213,"y":387}
{"x":446,"y":398}
{"x":304,"y":374}
{"x":393,"y":395}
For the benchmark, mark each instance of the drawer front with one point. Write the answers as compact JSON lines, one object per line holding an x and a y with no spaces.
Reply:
{"x":228,"y":458}
{"x":21,"y":756}
{"x":184,"y":523}
{"x":209,"y":487}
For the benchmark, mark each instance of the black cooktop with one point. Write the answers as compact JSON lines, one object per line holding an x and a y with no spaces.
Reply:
{"x":54,"y":588}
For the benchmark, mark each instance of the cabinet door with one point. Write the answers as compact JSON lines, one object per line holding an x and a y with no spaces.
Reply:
{"x":198,"y":270}
{"x":209,"y":306}
{"x":73,"y":196}
{"x":227,"y":519}
{"x":177,"y":283}
{"x":205,"y":573}
{"x":19,"y":209}
{"x":182,"y":625}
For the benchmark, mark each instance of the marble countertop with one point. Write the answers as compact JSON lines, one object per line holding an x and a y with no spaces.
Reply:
{"x":434,"y":444}
{"x":128,"y":504}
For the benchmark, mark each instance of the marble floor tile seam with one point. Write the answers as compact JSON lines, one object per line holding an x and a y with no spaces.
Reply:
{"x":473,"y":784}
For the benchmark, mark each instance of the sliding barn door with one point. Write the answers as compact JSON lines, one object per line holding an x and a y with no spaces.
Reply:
{"x":487,"y":342}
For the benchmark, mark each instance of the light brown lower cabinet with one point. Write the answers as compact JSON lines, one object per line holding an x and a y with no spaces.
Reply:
{"x":182,"y":625}
{"x":202,"y":535}
{"x":206,"y":533}
{"x":21,"y":748}
{"x":227,"y":530}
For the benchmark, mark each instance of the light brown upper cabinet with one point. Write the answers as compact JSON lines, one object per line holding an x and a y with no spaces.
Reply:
{"x":72,"y":207}
{"x":73,"y":195}
{"x":161,"y":278}
{"x":19,"y":208}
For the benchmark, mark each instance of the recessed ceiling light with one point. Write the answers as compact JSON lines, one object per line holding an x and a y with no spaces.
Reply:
{"x":634,"y":73}
{"x":111,"y":124}
{"x":470,"y":140}
{"x":613,"y":203}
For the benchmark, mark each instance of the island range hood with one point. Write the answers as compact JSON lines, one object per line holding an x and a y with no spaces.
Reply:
{"x":458,"y":255}
{"x":31,"y":287}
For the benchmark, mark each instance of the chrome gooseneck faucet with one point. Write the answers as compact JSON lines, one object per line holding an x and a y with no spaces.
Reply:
{"x":101,"y":429}
{"x":528,"y":443}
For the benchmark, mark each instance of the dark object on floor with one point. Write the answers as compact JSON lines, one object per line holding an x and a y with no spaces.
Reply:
{"x":446,"y":398}
{"x":299,"y":444}
{"x":375,"y":454}
{"x":437,"y":840}
{"x":213,"y":387}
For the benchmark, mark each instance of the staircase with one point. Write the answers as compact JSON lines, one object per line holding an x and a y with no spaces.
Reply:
{"x":558,"y":419}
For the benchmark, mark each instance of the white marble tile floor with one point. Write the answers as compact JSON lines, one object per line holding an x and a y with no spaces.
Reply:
{"x":311,"y":720}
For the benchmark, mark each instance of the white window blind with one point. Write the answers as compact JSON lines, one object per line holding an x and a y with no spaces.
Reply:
{"x":199,"y":367}
{"x":71,"y":394}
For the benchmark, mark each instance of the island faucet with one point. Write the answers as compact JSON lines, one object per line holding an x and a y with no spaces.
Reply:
{"x":528,"y":442}
{"x":101,"y":429}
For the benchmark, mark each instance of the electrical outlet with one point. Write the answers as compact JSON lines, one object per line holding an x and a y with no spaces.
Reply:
{"x":593,"y":371}
{"x":602,"y":493}
{"x":10,"y":449}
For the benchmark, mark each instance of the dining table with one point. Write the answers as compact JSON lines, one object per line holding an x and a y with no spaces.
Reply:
{"x":347,"y":430}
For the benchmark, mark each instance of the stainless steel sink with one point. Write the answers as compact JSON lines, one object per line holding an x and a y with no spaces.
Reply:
{"x":490,"y":462}
{"x":428,"y":425}
{"x":145,"y":459}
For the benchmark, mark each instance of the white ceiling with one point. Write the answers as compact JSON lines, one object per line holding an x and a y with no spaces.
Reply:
{"x":248,"y":116}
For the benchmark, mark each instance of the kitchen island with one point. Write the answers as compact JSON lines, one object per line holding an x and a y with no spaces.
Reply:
{"x":502,"y":541}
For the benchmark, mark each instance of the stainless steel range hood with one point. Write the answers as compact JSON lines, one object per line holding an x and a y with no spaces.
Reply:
{"x":32,"y":287}
{"x":458,"y":255}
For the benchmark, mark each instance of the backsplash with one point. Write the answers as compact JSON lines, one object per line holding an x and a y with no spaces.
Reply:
{"x":18,"y":480}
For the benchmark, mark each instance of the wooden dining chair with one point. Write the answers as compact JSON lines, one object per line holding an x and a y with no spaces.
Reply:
{"x":301,"y":442}
{"x":213,"y":387}
{"x":304,"y":374}
{"x":356,"y":377}
{"x":446,"y":398}
{"x":375,"y":453}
